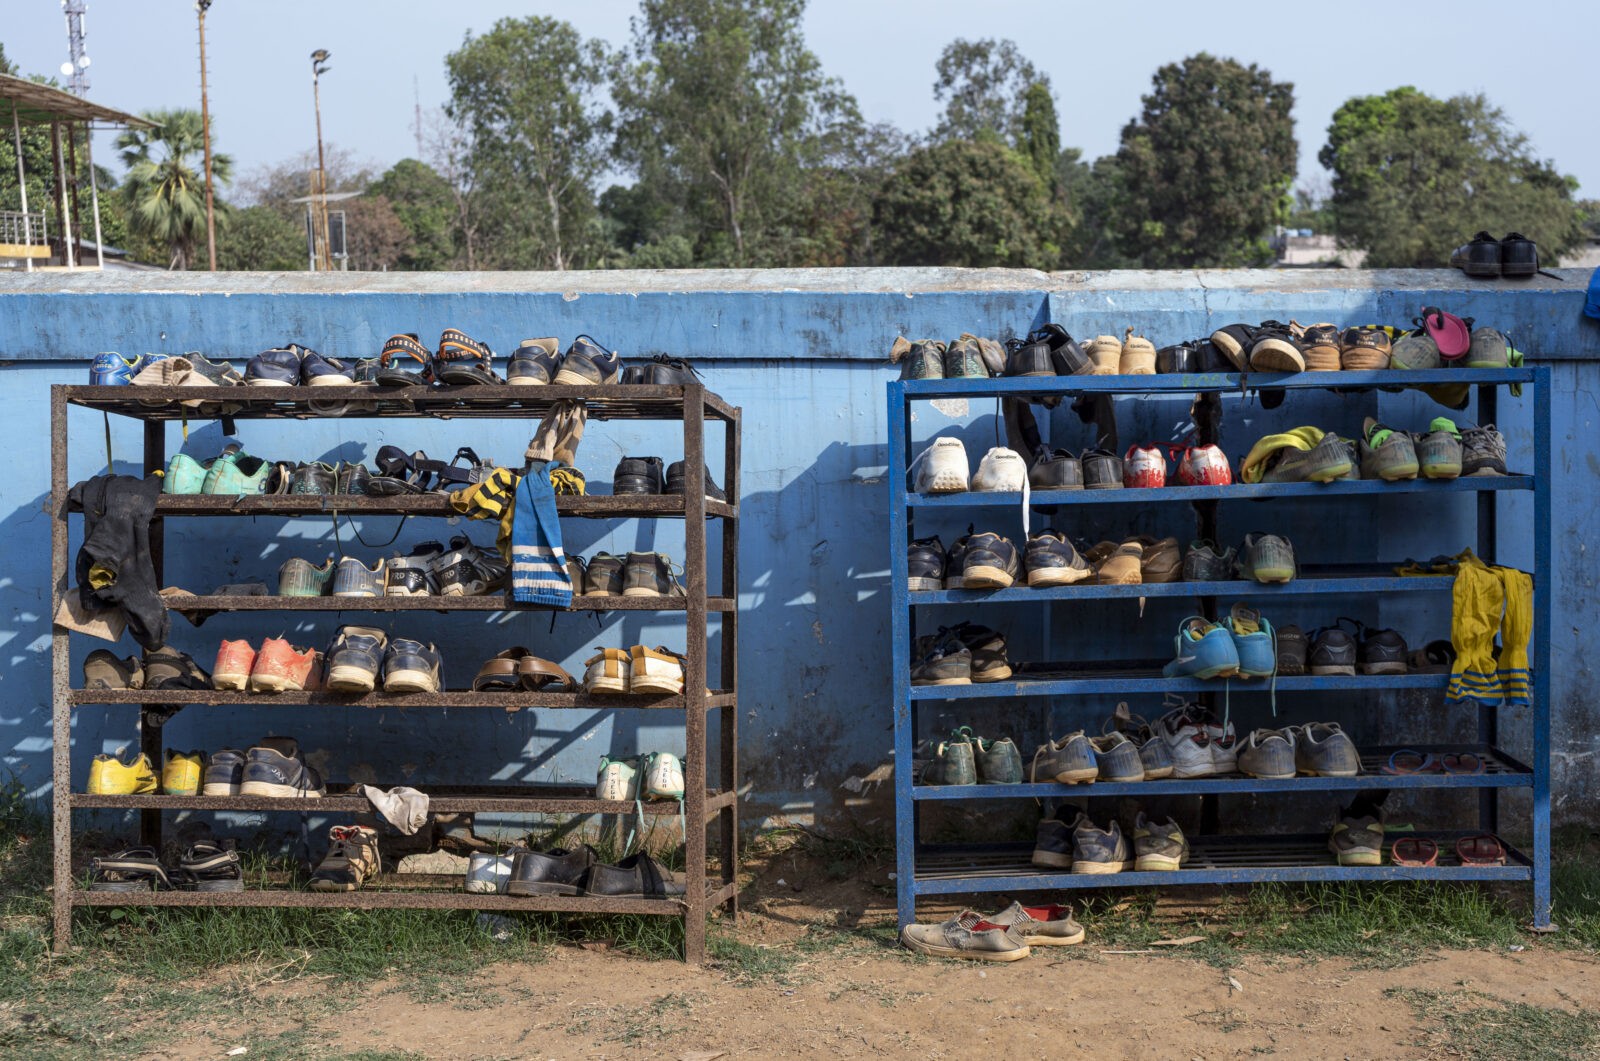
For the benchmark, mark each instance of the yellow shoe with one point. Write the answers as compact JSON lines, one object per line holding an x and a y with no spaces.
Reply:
{"x":181,"y":777}
{"x":110,"y":776}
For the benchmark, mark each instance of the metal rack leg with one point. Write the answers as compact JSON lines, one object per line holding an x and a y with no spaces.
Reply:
{"x":150,"y":722}
{"x":900,"y":610}
{"x":1488,"y":539}
{"x":1542,"y":655}
{"x":60,"y":682}
{"x":694,"y":689}
{"x":728,"y":817}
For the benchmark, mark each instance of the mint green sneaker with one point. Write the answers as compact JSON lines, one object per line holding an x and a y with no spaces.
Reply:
{"x":235,"y":473}
{"x":302,"y":578}
{"x":185,"y":475}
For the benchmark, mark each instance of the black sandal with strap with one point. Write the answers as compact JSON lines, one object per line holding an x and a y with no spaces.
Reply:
{"x":209,"y":866}
{"x":133,"y":869}
{"x":390,"y":374}
{"x":454,"y":476}
{"x":399,"y":473}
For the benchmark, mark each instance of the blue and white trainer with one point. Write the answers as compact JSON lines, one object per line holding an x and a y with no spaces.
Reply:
{"x":1203,"y":649}
{"x":111,"y":369}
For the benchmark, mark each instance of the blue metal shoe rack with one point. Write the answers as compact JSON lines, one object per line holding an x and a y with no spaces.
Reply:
{"x":925,"y":869}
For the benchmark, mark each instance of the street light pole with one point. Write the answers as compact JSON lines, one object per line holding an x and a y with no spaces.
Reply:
{"x":202,"y":6}
{"x":319,"y":66}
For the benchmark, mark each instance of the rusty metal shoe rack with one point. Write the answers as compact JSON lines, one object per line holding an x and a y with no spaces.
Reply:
{"x":711,"y":798}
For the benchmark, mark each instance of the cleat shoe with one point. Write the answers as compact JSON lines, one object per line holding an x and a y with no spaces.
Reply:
{"x":1323,"y":749}
{"x":616,"y":780}
{"x":1137,"y":357}
{"x":1483,"y":451}
{"x":1001,"y":471}
{"x":1040,"y":926}
{"x":1056,"y":469}
{"x":1357,"y":837}
{"x":1105,"y":355}
{"x":110,"y":776}
{"x":1364,"y":349}
{"x":1328,"y":460}
{"x":950,"y":762}
{"x":224,"y":773}
{"x":655,"y":670}
{"x":966,"y":935}
{"x":1204,"y":562}
{"x":235,"y":660}
{"x":411,"y":667}
{"x":351,"y":861}
{"x":1415,"y":351}
{"x":104,"y":670}
{"x":1099,"y":851}
{"x":604,"y":577}
{"x":278,"y":367}
{"x":925,"y":564}
{"x":319,"y":371}
{"x":412,"y":575}
{"x":637,"y":475}
{"x":352,"y":578}
{"x":963,"y":360}
{"x":946,"y":663}
{"x":998,"y":762}
{"x":181,"y":774}
{"x":1204,"y":466}
{"x":650,"y":575}
{"x":1333,"y":651}
{"x":663,"y":776}
{"x":991,"y":562}
{"x":1144,"y":466}
{"x":1158,"y":846}
{"x":1051,"y":560}
{"x":111,"y":369}
{"x":404,"y":362}
{"x":1266,"y":558}
{"x":1253,"y":642}
{"x":1066,"y":761}
{"x":534,"y":363}
{"x":1052,"y":844}
{"x":276,"y":768}
{"x":1118,"y":758}
{"x":1439,"y":450}
{"x":1102,"y":470}
{"x":355,"y":658}
{"x":1490,"y":349}
{"x":1202,"y":650}
{"x":1268,"y":754}
{"x":1386,"y":454}
{"x":608,"y":671}
{"x":1319,"y":345}
{"x":674,"y":483}
{"x":925,"y":360}
{"x":589,"y":364}
{"x":218,"y":372}
{"x":280,"y":667}
{"x":185,"y":475}
{"x":462,"y":359}
{"x":1292,"y":650}
{"x":1276,"y":347}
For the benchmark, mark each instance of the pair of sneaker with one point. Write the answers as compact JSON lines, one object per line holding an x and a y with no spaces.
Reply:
{"x":111,"y":369}
{"x":346,"y":577}
{"x":539,"y":362}
{"x":1316,"y":749}
{"x":636,"y":575}
{"x":968,"y":357}
{"x":1007,"y":936}
{"x":276,"y":668}
{"x":650,"y":671}
{"x":1241,"y":645}
{"x":274,"y":767}
{"x":360,"y":657}
{"x":1132,"y":355}
{"x":231,"y":473}
{"x":293,"y":365}
{"x":655,"y":775}
{"x":942,"y":469}
{"x":431,"y":569}
{"x":1081,"y":846}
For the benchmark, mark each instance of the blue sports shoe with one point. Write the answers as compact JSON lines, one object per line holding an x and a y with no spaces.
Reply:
{"x":279,"y":367}
{"x":111,"y":369}
{"x":1254,"y":642}
{"x":1203,"y":649}
{"x":319,"y":371}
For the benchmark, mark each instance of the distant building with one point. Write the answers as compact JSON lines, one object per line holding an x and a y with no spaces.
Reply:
{"x":1300,"y":248}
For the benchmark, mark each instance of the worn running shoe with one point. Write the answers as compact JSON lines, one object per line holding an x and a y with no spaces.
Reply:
{"x":1205,"y":562}
{"x":988,"y":648}
{"x":1268,"y":754}
{"x":319,"y":371}
{"x":1379,"y":651}
{"x":949,"y":663}
{"x":1234,"y":341}
{"x":1118,"y":565}
{"x":1292,"y":649}
{"x":1052,"y":844}
{"x":1041,"y":926}
{"x":1385,"y":453}
{"x":991,"y":562}
{"x":1202,"y":649}
{"x":1105,"y":355}
{"x":1266,"y":558}
{"x":1099,"y":851}
{"x":951,"y":762}
{"x":109,"y":775}
{"x":604,"y":577}
{"x":648,"y":575}
{"x":1357,"y":837}
{"x":278,"y":367}
{"x":103,"y":669}
{"x":1157,"y":845}
{"x":180,"y":776}
{"x":587,"y":363}
{"x":1439,"y":450}
{"x":1323,"y":749}
{"x":185,"y":475}
{"x":352,"y":578}
{"x":1184,"y":733}
{"x":1333,"y":651}
{"x":1490,"y":349}
{"x":1138,"y":356}
{"x":411,"y":667}
{"x":1415,"y":351}
{"x":925,"y":564}
{"x":966,"y":935}
{"x":534,"y":363}
{"x":275,"y":767}
{"x":1154,"y":756}
{"x":1118,"y":758}
{"x":1328,"y":460}
{"x":955,"y":560}
{"x":1066,"y":761}
{"x":1483,"y":451}
{"x":412,"y":575}
{"x":1160,"y":562}
{"x":998,"y":761}
{"x":224,"y":773}
{"x":1000,"y":471}
{"x":1052,"y":560}
{"x":465,"y":570}
{"x":354,"y":659}
{"x":233,"y":473}
{"x":111,"y":369}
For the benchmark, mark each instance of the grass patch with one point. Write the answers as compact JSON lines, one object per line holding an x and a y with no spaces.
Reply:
{"x":1575,"y":884}
{"x":1480,"y":1027}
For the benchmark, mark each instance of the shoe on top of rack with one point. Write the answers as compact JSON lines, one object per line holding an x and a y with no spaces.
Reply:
{"x":1483,"y":451}
{"x":404,"y":362}
{"x":1266,"y":558}
{"x":1439,"y":450}
{"x":412,"y":575}
{"x":275,"y":767}
{"x":1323,"y":749}
{"x":278,"y":367}
{"x":1234,"y":341}
{"x":942,"y":467}
{"x":1206,"y":562}
{"x":185,"y":475}
{"x":1160,"y":562}
{"x":650,"y":575}
{"x":355,"y":658}
{"x":674,"y":483}
{"x":617,"y":779}
{"x":1385,"y":453}
{"x":1490,"y":349}
{"x":280,"y":667}
{"x":955,"y":559}
{"x":964,"y":360}
{"x":109,"y":775}
{"x":608,"y":671}
{"x":1052,"y":844}
{"x":1202,"y":650}
{"x":923,"y":359}
{"x":1180,"y":358}
{"x":319,"y":371}
{"x":1268,"y":754}
{"x":925,"y":564}
{"x":236,"y":474}
{"x":463,"y":360}
{"x":1158,"y":846}
{"x":554,"y":872}
{"x":411,"y":666}
{"x":604,"y":576}
{"x":465,"y":570}
{"x":1415,"y":350}
{"x":1144,"y":467}
{"x":111,"y":369}
{"x":534,"y":363}
{"x":1055,"y":469}
{"x":991,"y":562}
{"x":988,"y":649}
{"x":1118,"y":565}
{"x":663,"y":776}
{"x":998,"y":762}
{"x":1378,"y":651}
{"x":1097,"y":850}
{"x":637,"y":475}
{"x":1066,"y":356}
{"x":1204,"y":465}
{"x":587,"y":363}
{"x":351,"y":861}
{"x":1052,"y":560}
{"x":1184,"y":731}
{"x":353,"y":578}
{"x":662,"y":370}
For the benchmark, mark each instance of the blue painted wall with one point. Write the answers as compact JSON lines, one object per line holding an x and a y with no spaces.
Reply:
{"x":802,"y":353}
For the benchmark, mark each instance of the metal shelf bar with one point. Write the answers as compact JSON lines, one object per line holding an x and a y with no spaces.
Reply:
{"x":1178,"y":384}
{"x":1235,"y":492}
{"x":1310,"y":585}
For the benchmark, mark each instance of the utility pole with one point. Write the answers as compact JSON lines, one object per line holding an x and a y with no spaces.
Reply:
{"x":202,"y":6}
{"x":416,"y":95}
{"x":319,"y":66}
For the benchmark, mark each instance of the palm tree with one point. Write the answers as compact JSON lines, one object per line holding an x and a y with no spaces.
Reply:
{"x":165,"y":188}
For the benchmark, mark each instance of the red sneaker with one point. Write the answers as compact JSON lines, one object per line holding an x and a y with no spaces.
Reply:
{"x":1144,"y":466}
{"x":1204,"y":466}
{"x":234,"y":660}
{"x":280,"y":666}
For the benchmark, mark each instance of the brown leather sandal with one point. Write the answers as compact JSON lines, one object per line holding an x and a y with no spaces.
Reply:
{"x":500,"y":674}
{"x":538,"y":675}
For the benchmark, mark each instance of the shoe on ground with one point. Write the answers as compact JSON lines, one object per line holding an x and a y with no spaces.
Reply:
{"x":182,"y":772}
{"x":411,"y":667}
{"x":1204,"y":465}
{"x":1253,"y":642}
{"x":224,"y":773}
{"x":278,"y":367}
{"x":488,"y":874}
{"x":951,"y":762}
{"x":280,"y":667}
{"x":1099,"y":851}
{"x":947,"y":663}
{"x":1056,"y":469}
{"x":534,"y":363}
{"x":638,"y":475}
{"x":1160,"y":562}
{"x":1040,"y":926}
{"x":966,"y":935}
{"x":942,"y":467}
{"x":1121,"y":565}
{"x":964,"y":360}
{"x":1328,"y":460}
{"x":1276,"y":347}
{"x":1357,"y":837}
{"x":167,"y":668}
{"x":1067,"y":761}
{"x":1479,"y":258}
{"x":104,"y":670}
{"x":1292,"y":650}
{"x":352,"y":860}
{"x":354,"y":659}
{"x":925,"y":564}
{"x":1202,"y":650}
{"x":1052,"y":560}
{"x":998,"y":762}
{"x":1386,"y":454}
{"x":301,"y":578}
{"x":1483,"y":451}
{"x":1332,"y":651}
{"x":1137,"y":357}
{"x":1365,"y":349}
{"x":1439,"y":452}
{"x":1268,"y":754}
{"x":656,"y":670}
{"x":604,"y":576}
{"x":1158,"y":846}
{"x":1118,"y":758}
{"x":353,"y":578}
{"x":650,"y":575}
{"x":554,"y":872}
{"x":276,"y":768}
{"x":1266,"y":558}
{"x":587,"y":363}
{"x":1102,"y":470}
{"x":674,"y":483}
{"x":616,"y":780}
{"x":1319,"y":345}
{"x":1205,"y":562}
{"x":991,"y":562}
{"x":1001,"y":471}
{"x":924,"y":360}
{"x":1323,"y":749}
{"x":109,"y":775}
{"x":1144,"y":467}
{"x":412,"y":575}
{"x":608,"y":671}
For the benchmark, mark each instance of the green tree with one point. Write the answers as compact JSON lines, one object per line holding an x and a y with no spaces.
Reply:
{"x":425,"y":205}
{"x":723,"y":110}
{"x":530,"y":93}
{"x":965,"y":203}
{"x":165,"y":194}
{"x":1206,"y":168}
{"x":1040,"y":136}
{"x":261,"y":239}
{"x":984,"y":85}
{"x":1094,"y":204}
{"x":1415,"y":176}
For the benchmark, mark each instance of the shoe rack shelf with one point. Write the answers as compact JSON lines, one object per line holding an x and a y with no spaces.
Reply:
{"x":704,"y":803}
{"x":925,"y":869}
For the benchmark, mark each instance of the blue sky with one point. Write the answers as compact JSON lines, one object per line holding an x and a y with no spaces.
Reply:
{"x":1533,"y":61}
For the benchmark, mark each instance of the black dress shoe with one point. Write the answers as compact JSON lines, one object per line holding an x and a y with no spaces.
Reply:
{"x":1481,"y":258}
{"x":1519,"y":256}
{"x":555,"y":872}
{"x":674,"y":483}
{"x":1181,"y":358}
{"x":635,"y":877}
{"x":637,"y":475}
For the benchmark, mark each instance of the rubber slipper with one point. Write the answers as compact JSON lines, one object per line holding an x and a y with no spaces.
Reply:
{"x":1415,"y":851}
{"x":1451,"y":334}
{"x":1463,"y":763}
{"x":1406,"y":761}
{"x":1480,"y":850}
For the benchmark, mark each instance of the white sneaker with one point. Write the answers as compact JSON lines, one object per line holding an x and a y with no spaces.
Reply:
{"x":1224,"y":747}
{"x":488,"y":874}
{"x":663,"y":776}
{"x":618,"y":779}
{"x":655,"y":670}
{"x":1001,"y":471}
{"x":942,"y":467}
{"x":608,"y":671}
{"x":1188,"y":742}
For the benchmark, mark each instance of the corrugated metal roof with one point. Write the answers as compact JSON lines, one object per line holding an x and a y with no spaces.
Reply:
{"x":36,"y":104}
